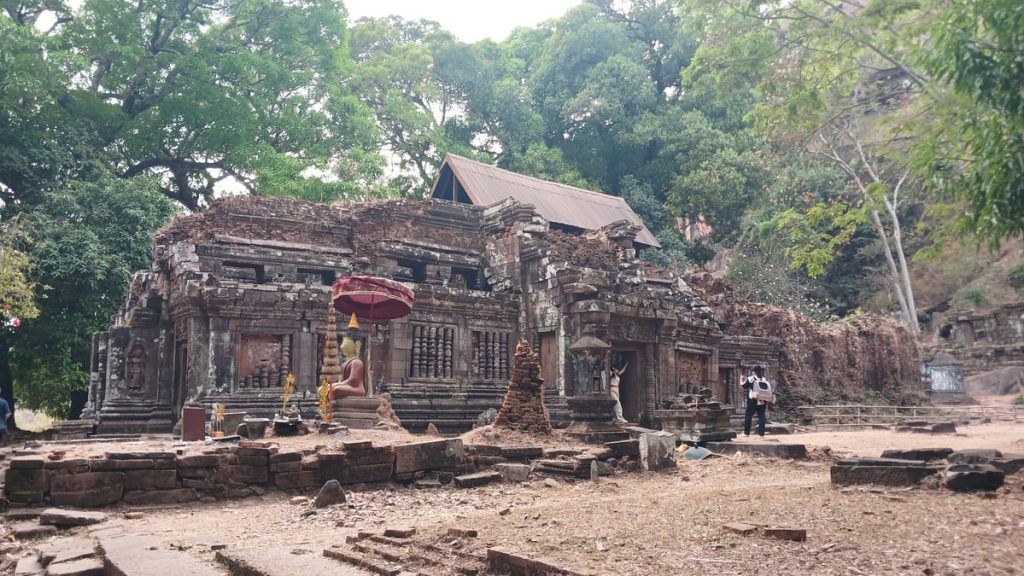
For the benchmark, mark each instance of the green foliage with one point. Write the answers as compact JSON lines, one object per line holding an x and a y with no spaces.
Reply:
{"x":1019,"y":400}
{"x":88,"y":239}
{"x":193,"y":93}
{"x":969,"y":297}
{"x":16,"y":267}
{"x":816,"y":234}
{"x":1016,"y":275}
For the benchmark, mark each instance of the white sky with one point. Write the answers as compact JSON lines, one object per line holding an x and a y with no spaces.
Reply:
{"x":468,"y":20}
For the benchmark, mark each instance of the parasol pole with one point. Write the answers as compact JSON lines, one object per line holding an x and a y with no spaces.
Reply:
{"x":369,"y":350}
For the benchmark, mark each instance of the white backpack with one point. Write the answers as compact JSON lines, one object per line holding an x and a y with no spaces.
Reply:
{"x":763,"y":390}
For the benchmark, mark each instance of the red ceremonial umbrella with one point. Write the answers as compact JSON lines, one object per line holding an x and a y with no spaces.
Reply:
{"x":374,"y":299}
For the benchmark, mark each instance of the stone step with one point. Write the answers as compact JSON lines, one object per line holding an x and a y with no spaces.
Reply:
{"x":358,"y":559}
{"x":132,"y":555}
{"x":282,"y":561}
{"x":410,"y":555}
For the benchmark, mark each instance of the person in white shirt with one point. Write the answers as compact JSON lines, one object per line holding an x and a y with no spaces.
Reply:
{"x":613,"y":391}
{"x":755,"y":386}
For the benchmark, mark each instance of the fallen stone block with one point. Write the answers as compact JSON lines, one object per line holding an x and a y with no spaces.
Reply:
{"x":848,"y":474}
{"x":29,"y":566}
{"x":943,"y":428}
{"x":29,"y":530}
{"x":425,"y":456}
{"x":622,"y":448}
{"x":969,"y":477}
{"x":767,"y":450}
{"x":478,"y":479}
{"x":1009,"y":463}
{"x":919,"y":454}
{"x":65,"y":550}
{"x":330,"y":493}
{"x":400,"y":531}
{"x":482,"y":449}
{"x":513,"y":472}
{"x":794,"y":534}
{"x":82,"y":567}
{"x":657,"y":450}
{"x":65,"y":518}
{"x":463,"y":532}
{"x":974,"y":456}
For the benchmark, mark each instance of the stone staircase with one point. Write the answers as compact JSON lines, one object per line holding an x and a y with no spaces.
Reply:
{"x":395,"y":552}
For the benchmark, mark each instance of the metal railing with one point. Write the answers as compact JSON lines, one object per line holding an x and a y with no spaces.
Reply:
{"x":867,"y":415}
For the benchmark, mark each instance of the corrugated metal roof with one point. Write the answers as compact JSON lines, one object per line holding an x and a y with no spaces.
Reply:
{"x":487,"y":185}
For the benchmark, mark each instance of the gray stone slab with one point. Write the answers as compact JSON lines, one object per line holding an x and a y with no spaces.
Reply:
{"x":974,"y":456}
{"x":66,"y":549}
{"x":657,"y":450}
{"x":969,"y":477}
{"x":29,"y":566}
{"x":876,"y":462}
{"x":27,"y":530}
{"x":882,"y":475}
{"x":283,"y":561}
{"x":1009,"y":463}
{"x":133,"y":556}
{"x":81,"y":567}
{"x":921,"y":454}
{"x":766,"y":449}
{"x":478,"y":479}
{"x":513,"y":472}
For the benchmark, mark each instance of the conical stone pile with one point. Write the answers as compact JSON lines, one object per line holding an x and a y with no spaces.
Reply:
{"x":523,"y":408}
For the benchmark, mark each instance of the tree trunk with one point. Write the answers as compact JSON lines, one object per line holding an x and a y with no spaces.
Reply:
{"x":897,"y":284}
{"x":897,"y":234}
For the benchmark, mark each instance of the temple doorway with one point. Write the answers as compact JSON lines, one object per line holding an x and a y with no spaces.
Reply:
{"x":630,"y":384}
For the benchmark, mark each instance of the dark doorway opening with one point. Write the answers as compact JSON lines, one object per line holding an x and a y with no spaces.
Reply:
{"x":630,"y":384}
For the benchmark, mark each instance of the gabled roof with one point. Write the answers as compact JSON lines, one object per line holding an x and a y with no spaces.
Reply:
{"x":486,"y":185}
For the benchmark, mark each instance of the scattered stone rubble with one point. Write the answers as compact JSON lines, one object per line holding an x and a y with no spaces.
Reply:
{"x":963,"y":470}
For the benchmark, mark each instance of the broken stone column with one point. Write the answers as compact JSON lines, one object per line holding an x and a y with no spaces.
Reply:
{"x":523,"y":408}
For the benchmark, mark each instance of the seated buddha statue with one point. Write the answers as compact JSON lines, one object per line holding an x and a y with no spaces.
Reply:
{"x":351,"y":382}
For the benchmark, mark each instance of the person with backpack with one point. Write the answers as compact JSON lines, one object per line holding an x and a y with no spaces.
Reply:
{"x":759,"y":394}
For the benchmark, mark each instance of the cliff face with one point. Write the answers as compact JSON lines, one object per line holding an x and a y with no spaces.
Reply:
{"x":867,"y":359}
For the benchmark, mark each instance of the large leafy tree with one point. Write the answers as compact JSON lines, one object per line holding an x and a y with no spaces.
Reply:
{"x":195,"y":93}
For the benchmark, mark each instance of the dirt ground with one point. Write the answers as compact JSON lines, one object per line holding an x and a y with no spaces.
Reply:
{"x":670,"y":523}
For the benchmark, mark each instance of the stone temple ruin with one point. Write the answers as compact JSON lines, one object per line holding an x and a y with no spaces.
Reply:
{"x":237,"y":297}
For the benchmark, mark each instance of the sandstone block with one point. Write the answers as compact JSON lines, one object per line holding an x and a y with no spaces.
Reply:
{"x":286,"y":467}
{"x":160,"y":497}
{"x":141,"y":455}
{"x":66,"y":549}
{"x":88,"y":489}
{"x":105,"y":465}
{"x":969,"y":477}
{"x":657,"y":450}
{"x":27,"y":462}
{"x":974,"y":456}
{"x":286,"y":457}
{"x":150,"y":479}
{"x":296,"y":480}
{"x":81,"y":567}
{"x":26,"y":480}
{"x":478,"y":479}
{"x":355,"y":474}
{"x":71,"y":464}
{"x":199,"y":461}
{"x":330,"y":493}
{"x":430,"y":455}
{"x":921,"y":454}
{"x":891,"y":475}
{"x":513,"y":472}
{"x":244,"y":474}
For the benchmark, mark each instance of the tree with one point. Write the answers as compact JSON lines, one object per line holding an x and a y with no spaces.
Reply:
{"x":198,"y":94}
{"x":88,"y":238}
{"x":834,"y":68}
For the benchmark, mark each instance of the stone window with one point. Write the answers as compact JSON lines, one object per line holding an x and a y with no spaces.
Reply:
{"x":410,"y":271}
{"x":491,"y":354}
{"x":465,"y":278}
{"x":313,"y":277}
{"x":244,"y":271}
{"x":432,"y":352}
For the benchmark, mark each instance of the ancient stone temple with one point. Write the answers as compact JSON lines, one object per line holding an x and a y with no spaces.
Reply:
{"x":237,"y":298}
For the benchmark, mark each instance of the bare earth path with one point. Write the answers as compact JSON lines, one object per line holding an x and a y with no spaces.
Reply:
{"x":669,"y":523}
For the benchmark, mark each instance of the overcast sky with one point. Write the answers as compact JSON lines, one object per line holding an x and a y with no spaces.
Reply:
{"x":468,"y":20}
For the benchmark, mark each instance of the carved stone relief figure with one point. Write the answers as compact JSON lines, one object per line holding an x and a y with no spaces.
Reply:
{"x":135,"y":369}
